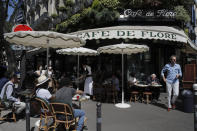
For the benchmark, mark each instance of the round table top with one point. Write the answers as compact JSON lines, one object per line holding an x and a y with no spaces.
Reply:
{"x":156,"y":85}
{"x":79,"y":98}
{"x":141,"y":85}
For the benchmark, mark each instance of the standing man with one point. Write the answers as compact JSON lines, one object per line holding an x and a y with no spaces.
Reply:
{"x":173,"y":71}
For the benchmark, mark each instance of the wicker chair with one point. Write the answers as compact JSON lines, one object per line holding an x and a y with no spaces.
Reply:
{"x":3,"y":108}
{"x":64,"y":115}
{"x":46,"y":114}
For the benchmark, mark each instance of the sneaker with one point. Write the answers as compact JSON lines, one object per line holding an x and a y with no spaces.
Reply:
{"x":173,"y":107}
{"x":169,"y":109}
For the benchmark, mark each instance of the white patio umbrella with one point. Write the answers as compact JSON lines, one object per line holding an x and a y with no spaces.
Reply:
{"x":123,"y":49}
{"x":44,"y":39}
{"x":81,"y":51}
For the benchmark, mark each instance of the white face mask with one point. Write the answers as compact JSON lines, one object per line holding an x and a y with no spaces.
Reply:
{"x":16,"y":85}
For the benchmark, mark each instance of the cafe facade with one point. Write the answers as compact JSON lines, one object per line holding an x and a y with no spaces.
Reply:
{"x":163,"y":41}
{"x":156,"y":27}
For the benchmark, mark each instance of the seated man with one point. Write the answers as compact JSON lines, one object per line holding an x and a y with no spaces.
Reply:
{"x":7,"y":94}
{"x":152,"y":80}
{"x":63,"y":95}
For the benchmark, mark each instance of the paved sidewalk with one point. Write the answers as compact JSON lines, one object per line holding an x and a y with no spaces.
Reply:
{"x":139,"y":117}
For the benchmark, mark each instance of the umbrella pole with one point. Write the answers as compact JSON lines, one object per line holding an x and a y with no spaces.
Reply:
{"x":122,"y":78}
{"x":122,"y":104}
{"x":77,"y":71}
{"x":47,"y":56}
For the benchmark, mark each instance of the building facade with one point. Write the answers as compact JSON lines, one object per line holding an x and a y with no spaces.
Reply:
{"x":164,"y":30}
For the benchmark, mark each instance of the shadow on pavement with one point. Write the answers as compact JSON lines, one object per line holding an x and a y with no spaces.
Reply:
{"x":179,"y":105}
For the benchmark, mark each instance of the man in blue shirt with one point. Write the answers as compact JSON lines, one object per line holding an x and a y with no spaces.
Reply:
{"x":173,"y":71}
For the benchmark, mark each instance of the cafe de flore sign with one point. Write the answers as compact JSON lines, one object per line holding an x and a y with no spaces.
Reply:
{"x":103,"y":33}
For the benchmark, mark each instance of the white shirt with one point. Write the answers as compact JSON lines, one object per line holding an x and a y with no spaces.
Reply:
{"x":43,"y":93}
{"x":8,"y":92}
{"x":132,"y":79}
{"x":89,"y":70}
{"x":42,"y":72}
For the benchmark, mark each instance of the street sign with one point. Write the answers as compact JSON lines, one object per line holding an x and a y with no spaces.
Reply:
{"x":22,"y":27}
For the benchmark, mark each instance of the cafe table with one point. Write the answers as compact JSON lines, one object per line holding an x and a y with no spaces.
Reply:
{"x":142,"y":88}
{"x":79,"y":98}
{"x":155,"y":88}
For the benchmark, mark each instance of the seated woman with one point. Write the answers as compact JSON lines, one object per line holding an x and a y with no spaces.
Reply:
{"x":132,"y":79}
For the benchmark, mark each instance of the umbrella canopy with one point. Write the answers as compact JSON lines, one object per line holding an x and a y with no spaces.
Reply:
{"x":44,"y":39}
{"x":78,"y":51}
{"x":123,"y":49}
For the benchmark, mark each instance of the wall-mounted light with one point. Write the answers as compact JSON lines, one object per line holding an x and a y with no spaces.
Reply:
{"x":121,"y":16}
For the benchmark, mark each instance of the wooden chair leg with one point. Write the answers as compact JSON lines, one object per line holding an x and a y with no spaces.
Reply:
{"x":14,"y":116}
{"x":131,"y":98}
{"x":55,"y":125}
{"x":135,"y":97}
{"x":147,"y":99}
{"x":1,"y":118}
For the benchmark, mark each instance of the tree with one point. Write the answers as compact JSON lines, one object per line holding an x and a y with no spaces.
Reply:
{"x":5,"y":49}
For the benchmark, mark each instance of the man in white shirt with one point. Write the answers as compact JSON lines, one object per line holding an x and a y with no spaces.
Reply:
{"x":8,"y":97}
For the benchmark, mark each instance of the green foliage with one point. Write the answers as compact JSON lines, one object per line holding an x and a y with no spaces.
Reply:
{"x":100,"y":13}
{"x":182,"y":14}
{"x":75,"y":19}
{"x":70,"y":22}
{"x":86,"y":12}
{"x":54,"y":15}
{"x":96,"y":5}
{"x":62,"y":8}
{"x":69,"y":2}
{"x":105,"y":16}
{"x":101,"y":4}
{"x":110,"y":4}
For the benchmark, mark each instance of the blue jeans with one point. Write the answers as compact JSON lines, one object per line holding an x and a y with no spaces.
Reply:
{"x":81,"y":114}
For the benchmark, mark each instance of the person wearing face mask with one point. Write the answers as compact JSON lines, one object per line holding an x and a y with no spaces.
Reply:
{"x":88,"y":81}
{"x":40,"y":71}
{"x":174,"y":72}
